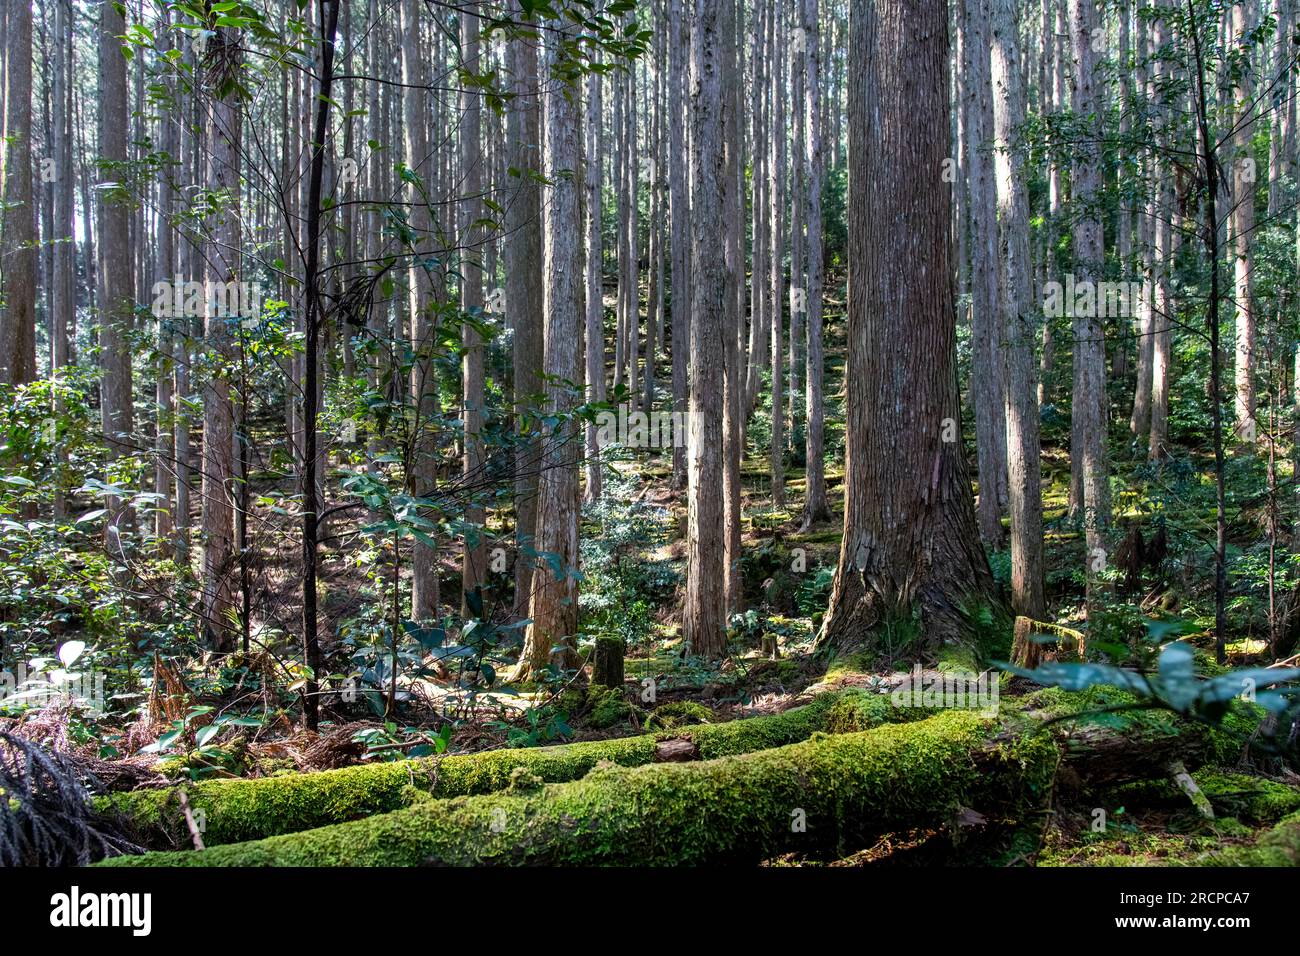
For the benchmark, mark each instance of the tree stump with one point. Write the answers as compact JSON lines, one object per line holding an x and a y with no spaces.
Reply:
{"x":607,"y":662}
{"x":1025,"y":651}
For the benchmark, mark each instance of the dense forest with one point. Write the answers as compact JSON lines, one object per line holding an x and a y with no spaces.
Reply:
{"x":778,"y":433}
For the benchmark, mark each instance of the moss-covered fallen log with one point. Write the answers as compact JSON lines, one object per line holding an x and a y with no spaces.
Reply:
{"x":829,"y":793}
{"x":1279,"y":846}
{"x":1106,"y":739}
{"x":238,"y":810}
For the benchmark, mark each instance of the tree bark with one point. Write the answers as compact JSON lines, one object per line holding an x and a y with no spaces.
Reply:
{"x":703,"y":619}
{"x":910,"y":544}
{"x":1018,"y":316}
{"x":816,"y":505}
{"x":523,"y":255}
{"x":1088,"y":408}
{"x":473,"y":380}
{"x":415,"y":120}
{"x":551,"y":635}
{"x":18,"y":322}
{"x":987,"y":383}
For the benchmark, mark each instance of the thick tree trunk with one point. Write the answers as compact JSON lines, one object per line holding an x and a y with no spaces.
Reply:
{"x":910,"y":542}
{"x":820,"y":795}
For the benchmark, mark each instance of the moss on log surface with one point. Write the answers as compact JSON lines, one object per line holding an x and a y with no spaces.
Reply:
{"x":825,"y":794}
{"x":1279,"y":846}
{"x":241,"y":810}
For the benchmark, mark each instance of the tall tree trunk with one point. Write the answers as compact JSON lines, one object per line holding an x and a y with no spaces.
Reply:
{"x":987,"y":331}
{"x":552,"y":633}
{"x":679,"y":214}
{"x":524,"y":304}
{"x":733,"y":211}
{"x":776,"y":247}
{"x":910,"y":541}
{"x":415,"y":121}
{"x":116,"y":283}
{"x":703,"y":624}
{"x":1018,"y":314}
{"x":471,"y":241}
{"x":1088,"y":417}
{"x":64,"y":277}
{"x":164,"y":455}
{"x":1241,"y":224}
{"x":221,"y":66}
{"x":595,"y":331}
{"x":312,"y":503}
{"x":18,"y":325}
{"x":816,"y":506}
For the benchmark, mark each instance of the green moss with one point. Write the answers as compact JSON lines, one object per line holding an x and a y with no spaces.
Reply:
{"x":819,"y":795}
{"x":955,"y":658}
{"x":860,"y":662}
{"x":608,"y":706}
{"x":1252,"y":798}
{"x":1279,"y":846}
{"x":681,"y":713}
{"x":237,"y":810}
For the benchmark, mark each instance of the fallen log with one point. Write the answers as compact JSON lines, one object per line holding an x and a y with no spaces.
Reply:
{"x":827,"y":794}
{"x":232,"y":811}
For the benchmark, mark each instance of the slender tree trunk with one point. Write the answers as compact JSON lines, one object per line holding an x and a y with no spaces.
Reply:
{"x":776,"y":250}
{"x":816,"y":506}
{"x":703,"y":624}
{"x":1017,"y":311}
{"x":1241,"y":224}
{"x":1088,"y":416}
{"x":524,"y":304}
{"x":18,"y":325}
{"x":473,"y":380}
{"x":221,"y":255}
{"x":551,"y":635}
{"x":987,"y":331}
{"x":679,"y":214}
{"x":415,"y":121}
{"x":733,"y":211}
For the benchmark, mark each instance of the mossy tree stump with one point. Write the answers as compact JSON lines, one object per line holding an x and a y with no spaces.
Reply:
{"x":607,"y":662}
